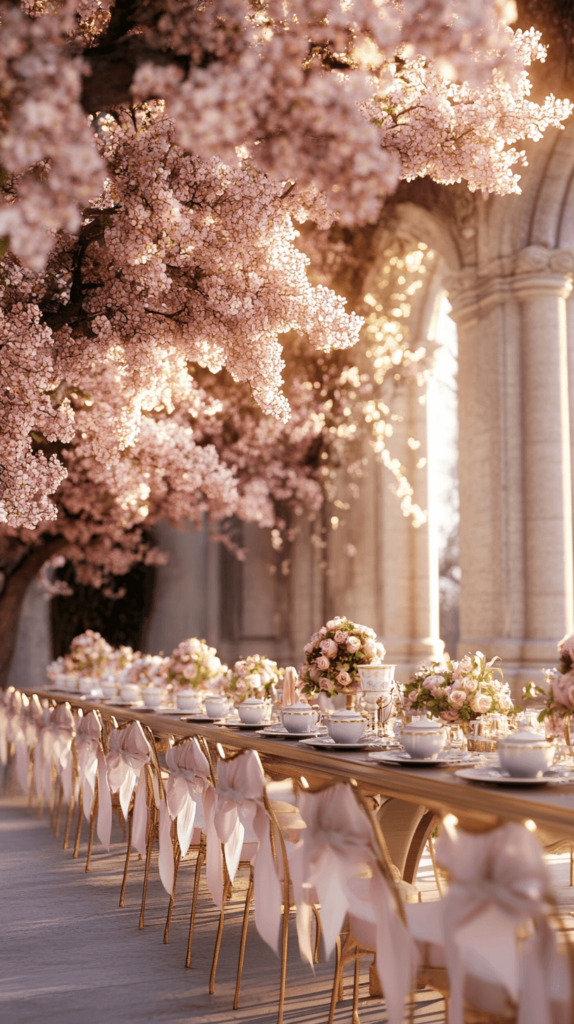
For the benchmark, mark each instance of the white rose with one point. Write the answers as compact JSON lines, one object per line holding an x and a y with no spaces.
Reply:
{"x":504,"y":702}
{"x":340,"y":636}
{"x":381,"y":649}
{"x":343,"y":678}
{"x":239,"y":667}
{"x":370,"y":648}
{"x":333,"y":623}
{"x":457,"y":698}
{"x":353,"y":644}
{"x":481,"y":703}
{"x":469,"y":683}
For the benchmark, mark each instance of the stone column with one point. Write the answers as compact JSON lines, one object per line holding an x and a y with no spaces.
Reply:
{"x":514,"y":459}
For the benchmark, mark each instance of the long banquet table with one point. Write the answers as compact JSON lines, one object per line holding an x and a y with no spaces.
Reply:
{"x":412,"y":797}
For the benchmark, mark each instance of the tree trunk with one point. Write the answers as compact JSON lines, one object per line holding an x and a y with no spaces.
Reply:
{"x":13,"y":596}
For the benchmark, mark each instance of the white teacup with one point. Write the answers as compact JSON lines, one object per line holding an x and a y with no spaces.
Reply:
{"x":424,"y":737}
{"x":299,"y":717}
{"x":130,"y":692}
{"x":153,"y":697}
{"x":216,"y":706}
{"x":189,"y":700}
{"x":90,"y":687}
{"x":525,"y":754}
{"x":109,"y":689}
{"x":346,"y":726}
{"x":253,"y":711}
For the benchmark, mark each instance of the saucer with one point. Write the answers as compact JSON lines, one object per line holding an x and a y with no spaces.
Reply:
{"x":202,"y":718}
{"x":116,"y":702}
{"x":325,"y":742}
{"x":163,"y":711}
{"x":401,"y":757}
{"x":282,"y":733}
{"x":498,"y":777}
{"x":236,"y":723}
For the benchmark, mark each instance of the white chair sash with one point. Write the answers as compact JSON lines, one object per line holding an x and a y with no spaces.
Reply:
{"x":16,"y":734}
{"x":63,"y":730}
{"x":498,"y":881}
{"x":92,"y":766}
{"x":43,"y":757}
{"x":128,"y":755}
{"x":337,"y":857}
{"x":188,"y":777}
{"x":233,"y":806}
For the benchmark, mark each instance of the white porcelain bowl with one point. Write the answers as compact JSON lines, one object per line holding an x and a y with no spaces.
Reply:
{"x":525,"y":754}
{"x":299,"y":717}
{"x":216,"y":706}
{"x":424,"y":738}
{"x":153,"y":698}
{"x":188,"y":700}
{"x":109,"y":689}
{"x":346,"y":726}
{"x":253,"y":711}
{"x":130,"y":692}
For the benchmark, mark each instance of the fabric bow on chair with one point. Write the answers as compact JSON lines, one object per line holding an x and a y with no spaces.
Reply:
{"x":498,"y":884}
{"x":128,"y":754}
{"x":189,"y":775}
{"x":233,"y":807}
{"x":337,"y":857}
{"x":92,"y":775}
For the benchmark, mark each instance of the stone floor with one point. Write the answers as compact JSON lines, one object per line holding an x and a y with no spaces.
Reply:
{"x":69,"y":954}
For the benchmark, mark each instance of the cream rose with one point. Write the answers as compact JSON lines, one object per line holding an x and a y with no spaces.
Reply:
{"x":323,"y":663}
{"x":309,"y":648}
{"x":325,"y":684}
{"x":330,"y":648}
{"x":481,"y":703}
{"x":343,"y":678}
{"x":370,"y":648}
{"x":381,"y":649}
{"x":340,"y":636}
{"x":353,"y":644}
{"x":457,"y":698}
{"x":333,"y":623}
{"x":504,"y":702}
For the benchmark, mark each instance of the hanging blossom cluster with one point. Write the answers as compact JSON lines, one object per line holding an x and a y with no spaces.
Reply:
{"x":454,"y":132}
{"x":306,"y":87}
{"x":180,"y":261}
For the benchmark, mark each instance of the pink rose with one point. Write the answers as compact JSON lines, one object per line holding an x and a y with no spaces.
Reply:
{"x":561,"y":688}
{"x":315,"y":672}
{"x":330,"y":648}
{"x":323,"y":631}
{"x":353,"y":644}
{"x":241,"y":685}
{"x":343,"y":678}
{"x":309,"y":648}
{"x":323,"y":663}
{"x":457,"y":698}
{"x":340,"y":636}
{"x":324,"y":684}
{"x":449,"y":716}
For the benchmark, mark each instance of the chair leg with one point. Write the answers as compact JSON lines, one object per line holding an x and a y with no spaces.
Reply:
{"x":177,"y":858}
{"x":58,"y":813}
{"x":317,"y":933}
{"x":93,"y":817}
{"x":284,"y":944}
{"x":572,"y":865}
{"x":79,"y":828}
{"x":217,"y":948}
{"x":149,"y":847}
{"x":357,"y":979}
{"x":335,"y":994}
{"x":68,"y":823}
{"x":198,"y":863}
{"x":127,"y":863}
{"x":248,"y":901}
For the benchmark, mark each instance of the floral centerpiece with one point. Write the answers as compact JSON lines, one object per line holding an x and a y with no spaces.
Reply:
{"x":335,"y":653}
{"x":254,"y":676}
{"x":89,"y":655}
{"x":558,"y":693}
{"x":458,"y":690}
{"x":55,"y":670}
{"x":149,"y":670}
{"x":193,"y":664}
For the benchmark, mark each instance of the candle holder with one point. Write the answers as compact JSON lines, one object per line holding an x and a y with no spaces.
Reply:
{"x":378,"y":689}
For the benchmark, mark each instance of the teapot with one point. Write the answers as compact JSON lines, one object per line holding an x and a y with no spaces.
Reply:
{"x":423,"y":737}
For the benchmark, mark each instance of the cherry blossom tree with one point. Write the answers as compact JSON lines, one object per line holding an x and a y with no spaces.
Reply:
{"x":157,"y":163}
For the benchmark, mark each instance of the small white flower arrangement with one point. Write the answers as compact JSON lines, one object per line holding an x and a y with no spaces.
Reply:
{"x":89,"y":655}
{"x":254,"y":676}
{"x":458,"y":690}
{"x":193,"y":664}
{"x":335,"y":653}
